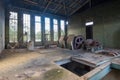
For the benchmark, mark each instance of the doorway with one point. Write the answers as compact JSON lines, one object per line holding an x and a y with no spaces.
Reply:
{"x":89,"y":30}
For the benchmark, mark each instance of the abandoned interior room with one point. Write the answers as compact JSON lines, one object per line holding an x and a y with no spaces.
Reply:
{"x":59,"y":39}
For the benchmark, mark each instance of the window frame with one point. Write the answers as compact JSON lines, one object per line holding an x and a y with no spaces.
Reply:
{"x":48,"y":24}
{"x":26,"y":22}
{"x":40,"y":27}
{"x":15,"y":34}
{"x":55,"y":24}
{"x":64,"y":32}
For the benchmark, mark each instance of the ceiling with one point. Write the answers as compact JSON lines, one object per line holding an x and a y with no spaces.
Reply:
{"x":58,"y":7}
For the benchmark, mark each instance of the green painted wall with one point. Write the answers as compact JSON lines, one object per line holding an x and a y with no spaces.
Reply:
{"x":2,"y":25}
{"x":106,"y":27}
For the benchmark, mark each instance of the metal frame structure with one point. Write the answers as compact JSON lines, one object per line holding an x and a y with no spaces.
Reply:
{"x":64,"y":8}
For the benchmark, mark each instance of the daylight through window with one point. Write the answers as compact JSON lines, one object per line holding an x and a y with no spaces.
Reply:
{"x":26,"y":27}
{"x":37,"y":28}
{"x":13,"y":27}
{"x":55,"y":28}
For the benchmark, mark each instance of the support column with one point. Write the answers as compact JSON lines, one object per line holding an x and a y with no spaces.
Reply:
{"x":32,"y":30}
{"x":51,"y":29}
{"x":66,"y":25}
{"x":20,"y":27}
{"x":6,"y":27}
{"x":65,"y":32}
{"x":43,"y":28}
{"x":59,"y":29}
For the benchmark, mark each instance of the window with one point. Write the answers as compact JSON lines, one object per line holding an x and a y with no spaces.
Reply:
{"x":13,"y":27}
{"x":37,"y":28}
{"x":55,"y":28}
{"x":89,"y":23}
{"x":26,"y":27}
{"x":62,"y":24}
{"x":67,"y":22}
{"x":47,"y":28}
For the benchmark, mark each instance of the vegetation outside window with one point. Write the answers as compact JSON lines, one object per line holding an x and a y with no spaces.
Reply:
{"x":47,"y":28}
{"x":13,"y":27}
{"x":62,"y":25}
{"x":37,"y":28}
{"x":26,"y":27}
{"x":55,"y":28}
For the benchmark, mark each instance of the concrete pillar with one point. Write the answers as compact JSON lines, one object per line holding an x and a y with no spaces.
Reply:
{"x":32,"y":30}
{"x":6,"y":27}
{"x":2,"y":25}
{"x":51,"y":29}
{"x":43,"y":28}
{"x":20,"y":27}
{"x":66,"y":30}
{"x":59,"y":29}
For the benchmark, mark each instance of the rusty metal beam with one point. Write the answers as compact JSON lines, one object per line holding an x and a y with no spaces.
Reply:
{"x":57,"y":7}
{"x":31,"y":2}
{"x":55,"y":10}
{"x":47,"y":6}
{"x":60,"y":4}
{"x":73,"y":3}
{"x":65,"y":9}
{"x":35,"y":4}
{"x":79,"y":7}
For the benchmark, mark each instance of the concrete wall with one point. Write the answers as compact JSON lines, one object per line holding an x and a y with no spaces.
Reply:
{"x":106,"y":28}
{"x":2,"y":19}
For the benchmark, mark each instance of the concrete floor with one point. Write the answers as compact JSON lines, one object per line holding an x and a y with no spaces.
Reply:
{"x":21,"y":64}
{"x":37,"y":65}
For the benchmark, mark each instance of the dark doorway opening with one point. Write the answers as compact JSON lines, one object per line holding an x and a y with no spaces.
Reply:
{"x":89,"y":32}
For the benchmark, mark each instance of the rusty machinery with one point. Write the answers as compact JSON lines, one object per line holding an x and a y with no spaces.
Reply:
{"x":71,"y":41}
{"x":78,"y":42}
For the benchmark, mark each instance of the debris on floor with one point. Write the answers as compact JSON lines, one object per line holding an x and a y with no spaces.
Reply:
{"x":108,"y":53}
{"x":28,"y":75}
{"x":3,"y":78}
{"x":36,"y":66}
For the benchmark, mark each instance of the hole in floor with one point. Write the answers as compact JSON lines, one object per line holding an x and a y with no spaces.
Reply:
{"x":75,"y":67}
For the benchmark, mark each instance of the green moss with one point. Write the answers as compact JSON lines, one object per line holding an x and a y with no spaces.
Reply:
{"x":54,"y":74}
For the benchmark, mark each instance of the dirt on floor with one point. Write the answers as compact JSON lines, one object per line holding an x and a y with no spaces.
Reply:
{"x":9,"y":60}
{"x":34,"y":65}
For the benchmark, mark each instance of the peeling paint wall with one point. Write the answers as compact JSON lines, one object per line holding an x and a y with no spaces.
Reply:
{"x":2,"y":19}
{"x":106,"y":27}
